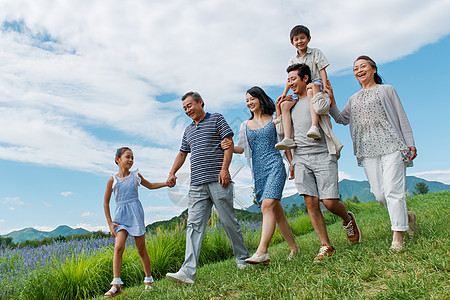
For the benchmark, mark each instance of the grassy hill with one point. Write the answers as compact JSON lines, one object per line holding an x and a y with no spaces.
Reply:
{"x":360,"y":189}
{"x":364,"y":271}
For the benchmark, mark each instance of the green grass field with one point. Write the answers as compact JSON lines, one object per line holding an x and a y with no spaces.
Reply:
{"x":364,"y":271}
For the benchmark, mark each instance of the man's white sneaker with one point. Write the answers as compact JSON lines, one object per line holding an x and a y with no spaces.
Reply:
{"x":314,"y":133}
{"x":242,"y":266}
{"x":179,"y":277}
{"x":285,"y":144}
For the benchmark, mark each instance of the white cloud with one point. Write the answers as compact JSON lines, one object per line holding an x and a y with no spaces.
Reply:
{"x":343,"y":175}
{"x":44,"y":228}
{"x":171,"y":209}
{"x":46,"y":204}
{"x":103,"y":76}
{"x":65,"y":194}
{"x":15,"y":202}
{"x":89,"y":214}
{"x":90,"y":227}
{"x":2,"y":221}
{"x":436,"y":175}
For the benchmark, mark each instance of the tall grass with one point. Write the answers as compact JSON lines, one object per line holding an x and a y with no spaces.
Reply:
{"x":364,"y":271}
{"x":367,"y":270}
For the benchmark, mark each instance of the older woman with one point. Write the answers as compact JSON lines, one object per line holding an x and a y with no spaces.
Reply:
{"x":257,"y":139}
{"x":383,"y":142}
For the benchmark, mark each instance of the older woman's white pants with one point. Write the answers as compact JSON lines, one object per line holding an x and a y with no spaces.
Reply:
{"x":387,"y":179}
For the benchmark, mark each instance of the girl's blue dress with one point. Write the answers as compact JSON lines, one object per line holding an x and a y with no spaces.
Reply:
{"x":129,"y":214}
{"x":268,"y":168}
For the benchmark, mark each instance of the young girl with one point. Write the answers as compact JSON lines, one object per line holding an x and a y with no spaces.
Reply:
{"x":128,"y":217}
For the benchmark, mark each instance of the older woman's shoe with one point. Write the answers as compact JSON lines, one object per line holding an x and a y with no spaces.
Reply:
{"x":396,"y":246}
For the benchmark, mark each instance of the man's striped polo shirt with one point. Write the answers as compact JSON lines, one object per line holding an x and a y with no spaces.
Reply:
{"x":202,"y":140}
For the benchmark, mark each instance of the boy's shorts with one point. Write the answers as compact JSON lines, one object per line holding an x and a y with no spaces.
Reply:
{"x":319,"y":83}
{"x":317,"y":175}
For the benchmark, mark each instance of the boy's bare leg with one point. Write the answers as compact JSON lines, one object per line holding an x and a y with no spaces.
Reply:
{"x":314,"y":115}
{"x":286,"y":119}
{"x":314,"y":131}
{"x":287,"y":143}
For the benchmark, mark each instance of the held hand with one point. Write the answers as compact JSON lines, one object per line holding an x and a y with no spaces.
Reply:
{"x":224,"y":178}
{"x":280,"y":98}
{"x":172,"y":180}
{"x":111,"y":229}
{"x":291,"y":172}
{"x":283,"y":98}
{"x":225,"y":144}
{"x":330,"y":93}
{"x":412,"y":153}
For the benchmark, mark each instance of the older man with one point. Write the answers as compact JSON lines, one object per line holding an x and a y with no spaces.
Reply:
{"x":210,"y":184}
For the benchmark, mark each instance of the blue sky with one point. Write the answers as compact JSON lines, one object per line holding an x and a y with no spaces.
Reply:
{"x":80,"y":79}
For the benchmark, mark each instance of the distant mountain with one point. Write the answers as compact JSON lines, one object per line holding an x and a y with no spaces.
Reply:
{"x":33,"y":234}
{"x":360,"y":189}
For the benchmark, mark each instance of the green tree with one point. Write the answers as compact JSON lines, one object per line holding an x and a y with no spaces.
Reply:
{"x":355,"y":199}
{"x":6,"y":241}
{"x":421,"y":188}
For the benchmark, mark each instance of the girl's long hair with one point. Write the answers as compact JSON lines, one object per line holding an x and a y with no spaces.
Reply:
{"x":267,"y":104}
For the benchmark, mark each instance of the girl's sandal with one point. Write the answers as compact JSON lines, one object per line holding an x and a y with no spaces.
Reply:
{"x":114,"y":291}
{"x":148,"y":286}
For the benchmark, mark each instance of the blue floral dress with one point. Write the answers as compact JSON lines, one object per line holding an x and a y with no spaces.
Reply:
{"x":129,"y":214}
{"x":268,"y":168}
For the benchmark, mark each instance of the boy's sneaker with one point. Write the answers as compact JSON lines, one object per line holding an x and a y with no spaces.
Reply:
{"x":314,"y":133}
{"x":412,"y":223}
{"x":179,"y":277}
{"x":352,"y":230}
{"x":324,"y":252}
{"x":285,"y":144}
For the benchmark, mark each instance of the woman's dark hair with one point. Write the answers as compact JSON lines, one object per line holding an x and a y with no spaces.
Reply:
{"x":120,"y":151}
{"x":267,"y":105}
{"x":302,"y":70}
{"x":372,"y":63}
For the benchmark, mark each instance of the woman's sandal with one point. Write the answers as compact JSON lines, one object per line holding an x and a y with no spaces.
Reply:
{"x":114,"y":291}
{"x":148,"y":286}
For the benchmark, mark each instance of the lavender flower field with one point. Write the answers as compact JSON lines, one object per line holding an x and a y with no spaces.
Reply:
{"x":82,"y":269}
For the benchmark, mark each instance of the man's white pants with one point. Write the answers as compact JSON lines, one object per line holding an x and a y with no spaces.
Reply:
{"x":387,"y":178}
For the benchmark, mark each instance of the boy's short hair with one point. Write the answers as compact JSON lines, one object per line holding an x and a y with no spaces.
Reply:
{"x":298,"y":30}
{"x":302,"y":70}
{"x":195,"y":96}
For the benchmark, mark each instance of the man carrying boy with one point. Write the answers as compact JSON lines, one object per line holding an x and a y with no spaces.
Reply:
{"x":314,"y":168}
{"x":210,"y":184}
{"x":317,"y":62}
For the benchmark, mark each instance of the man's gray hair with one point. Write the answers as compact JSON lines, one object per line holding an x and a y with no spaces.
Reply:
{"x":194,"y":95}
